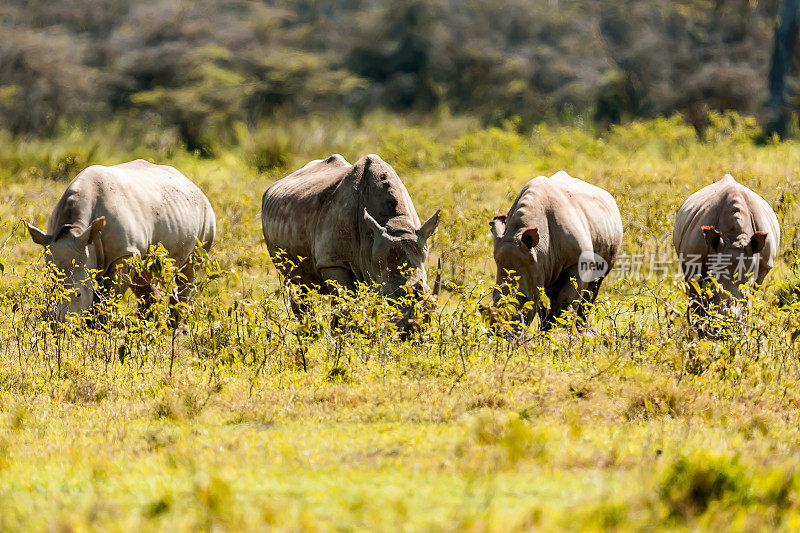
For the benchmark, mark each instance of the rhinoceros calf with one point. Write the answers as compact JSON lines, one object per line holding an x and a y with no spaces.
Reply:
{"x":108,"y":214}
{"x":561,"y":235}
{"x":727,"y":232}
{"x":333,"y":221}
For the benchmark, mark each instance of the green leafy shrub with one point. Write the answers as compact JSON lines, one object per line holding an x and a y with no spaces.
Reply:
{"x":691,"y":485}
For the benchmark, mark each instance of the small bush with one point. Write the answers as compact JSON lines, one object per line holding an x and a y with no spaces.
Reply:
{"x":85,"y":391}
{"x":691,"y":484}
{"x":656,"y":402}
{"x":169,"y":407}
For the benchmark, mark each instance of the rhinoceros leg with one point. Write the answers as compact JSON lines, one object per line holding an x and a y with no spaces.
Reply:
{"x":146,"y":295}
{"x":298,"y":300}
{"x":343,"y":278}
{"x":120,"y":279}
{"x":570,"y":293}
{"x":340,"y":275}
{"x":593,"y":290}
{"x":697,"y":312}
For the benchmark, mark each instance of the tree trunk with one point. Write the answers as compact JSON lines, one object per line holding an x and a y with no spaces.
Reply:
{"x":782,"y":51}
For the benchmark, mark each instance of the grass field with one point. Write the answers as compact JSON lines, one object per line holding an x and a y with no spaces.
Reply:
{"x":250,"y":421}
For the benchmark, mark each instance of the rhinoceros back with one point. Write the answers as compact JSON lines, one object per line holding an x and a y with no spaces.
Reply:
{"x":293,"y":206}
{"x":316,"y":213}
{"x":734,"y":210}
{"x":143,"y":204}
{"x":573,"y":215}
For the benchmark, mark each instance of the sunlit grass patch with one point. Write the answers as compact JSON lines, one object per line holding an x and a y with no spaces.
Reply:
{"x":250,"y":419}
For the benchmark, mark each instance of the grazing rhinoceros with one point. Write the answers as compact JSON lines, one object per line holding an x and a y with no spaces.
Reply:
{"x":108,"y":214}
{"x":728,"y":232}
{"x":333,"y":221}
{"x":561,"y":235}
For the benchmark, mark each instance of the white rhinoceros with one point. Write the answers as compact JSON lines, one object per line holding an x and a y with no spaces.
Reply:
{"x":108,"y":214}
{"x":561,"y":235}
{"x":728,"y":232}
{"x":333,"y":221}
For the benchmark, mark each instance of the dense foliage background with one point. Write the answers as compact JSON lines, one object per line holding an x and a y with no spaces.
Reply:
{"x":202,"y":66}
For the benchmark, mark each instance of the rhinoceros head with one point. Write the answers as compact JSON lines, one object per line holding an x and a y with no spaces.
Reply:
{"x":515,"y":263}
{"x":398,"y":260}
{"x":734,"y":264}
{"x":70,"y":252}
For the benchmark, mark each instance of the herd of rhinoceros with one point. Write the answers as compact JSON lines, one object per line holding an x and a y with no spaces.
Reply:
{"x":350,"y":223}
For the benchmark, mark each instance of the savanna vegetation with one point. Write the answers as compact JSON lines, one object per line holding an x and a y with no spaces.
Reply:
{"x":250,"y":419}
{"x":246,"y":418}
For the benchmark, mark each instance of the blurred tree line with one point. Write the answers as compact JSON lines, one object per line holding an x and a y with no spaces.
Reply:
{"x":203,"y":66}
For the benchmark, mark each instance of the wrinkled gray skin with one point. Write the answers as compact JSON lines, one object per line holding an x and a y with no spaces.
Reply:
{"x":349,"y":223}
{"x":542,"y":236}
{"x":108,"y":214}
{"x":728,"y":218}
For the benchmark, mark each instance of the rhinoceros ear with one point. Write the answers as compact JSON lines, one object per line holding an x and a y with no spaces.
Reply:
{"x":39,"y":237}
{"x":498,"y":225}
{"x":529,"y":237}
{"x":757,"y":242}
{"x":375,"y":228}
{"x":93,"y":231}
{"x":713,"y":238}
{"x":429,"y":227}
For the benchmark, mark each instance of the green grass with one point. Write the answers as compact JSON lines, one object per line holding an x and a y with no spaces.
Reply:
{"x":261,"y":424}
